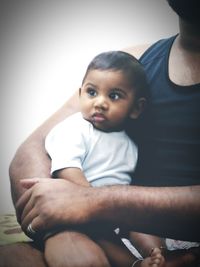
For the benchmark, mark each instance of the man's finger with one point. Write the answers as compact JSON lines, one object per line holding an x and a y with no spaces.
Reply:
{"x":21,"y":203}
{"x":29,"y":182}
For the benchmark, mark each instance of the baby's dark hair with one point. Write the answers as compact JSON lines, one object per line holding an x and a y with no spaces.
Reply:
{"x":128,"y":64}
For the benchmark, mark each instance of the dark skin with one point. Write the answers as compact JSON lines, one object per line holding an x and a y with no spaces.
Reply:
{"x":118,"y":199}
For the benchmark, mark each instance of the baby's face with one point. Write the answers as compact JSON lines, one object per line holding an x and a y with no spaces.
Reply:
{"x":107,"y":99}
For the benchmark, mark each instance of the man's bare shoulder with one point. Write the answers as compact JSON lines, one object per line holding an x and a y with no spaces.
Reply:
{"x":137,"y":50}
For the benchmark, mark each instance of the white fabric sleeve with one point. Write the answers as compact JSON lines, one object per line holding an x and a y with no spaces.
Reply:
{"x":65,"y":144}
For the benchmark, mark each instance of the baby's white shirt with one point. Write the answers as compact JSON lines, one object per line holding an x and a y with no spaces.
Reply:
{"x":106,"y":158}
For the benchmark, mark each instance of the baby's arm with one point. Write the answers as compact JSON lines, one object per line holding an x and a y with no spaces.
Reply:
{"x":74,"y":175}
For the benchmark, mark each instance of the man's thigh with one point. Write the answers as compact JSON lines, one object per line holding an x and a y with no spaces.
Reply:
{"x":21,"y":255}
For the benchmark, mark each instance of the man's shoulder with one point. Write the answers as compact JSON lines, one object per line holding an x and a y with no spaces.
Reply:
{"x":158,"y":46}
{"x":138,"y":50}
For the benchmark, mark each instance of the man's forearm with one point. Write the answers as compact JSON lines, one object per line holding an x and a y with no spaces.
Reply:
{"x":168,"y":212}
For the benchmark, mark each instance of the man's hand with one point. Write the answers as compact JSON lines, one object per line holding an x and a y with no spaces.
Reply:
{"x":47,"y":203}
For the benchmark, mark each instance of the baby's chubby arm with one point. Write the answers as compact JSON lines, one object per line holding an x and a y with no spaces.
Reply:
{"x":74,"y":175}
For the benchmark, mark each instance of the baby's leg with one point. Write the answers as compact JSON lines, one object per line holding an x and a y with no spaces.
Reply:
{"x":120,"y":256}
{"x":73,"y":249}
{"x":145,"y":242}
{"x":117,"y":253}
{"x":174,"y":258}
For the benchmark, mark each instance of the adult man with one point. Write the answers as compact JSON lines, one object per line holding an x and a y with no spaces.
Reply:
{"x":142,"y":209}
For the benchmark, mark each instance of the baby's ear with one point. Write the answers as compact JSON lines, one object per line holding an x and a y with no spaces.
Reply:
{"x":138,"y":108}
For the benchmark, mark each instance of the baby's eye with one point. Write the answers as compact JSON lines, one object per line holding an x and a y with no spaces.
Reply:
{"x":114,"y":96}
{"x":91,"y":92}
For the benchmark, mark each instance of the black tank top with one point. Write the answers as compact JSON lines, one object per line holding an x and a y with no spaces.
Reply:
{"x":169,"y":130}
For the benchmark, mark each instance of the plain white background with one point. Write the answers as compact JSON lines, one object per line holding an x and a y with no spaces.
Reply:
{"x":45,"y":47}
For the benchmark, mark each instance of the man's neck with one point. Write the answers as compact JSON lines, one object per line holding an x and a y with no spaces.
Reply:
{"x":184,"y":59}
{"x":189,"y":37}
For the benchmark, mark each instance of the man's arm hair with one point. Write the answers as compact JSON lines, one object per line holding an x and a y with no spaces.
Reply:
{"x":172,"y":212}
{"x":31,"y":159}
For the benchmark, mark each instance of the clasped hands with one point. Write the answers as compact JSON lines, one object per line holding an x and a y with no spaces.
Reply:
{"x":49,"y":203}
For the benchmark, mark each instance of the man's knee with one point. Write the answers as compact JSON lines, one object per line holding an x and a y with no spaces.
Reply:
{"x":21,"y":255}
